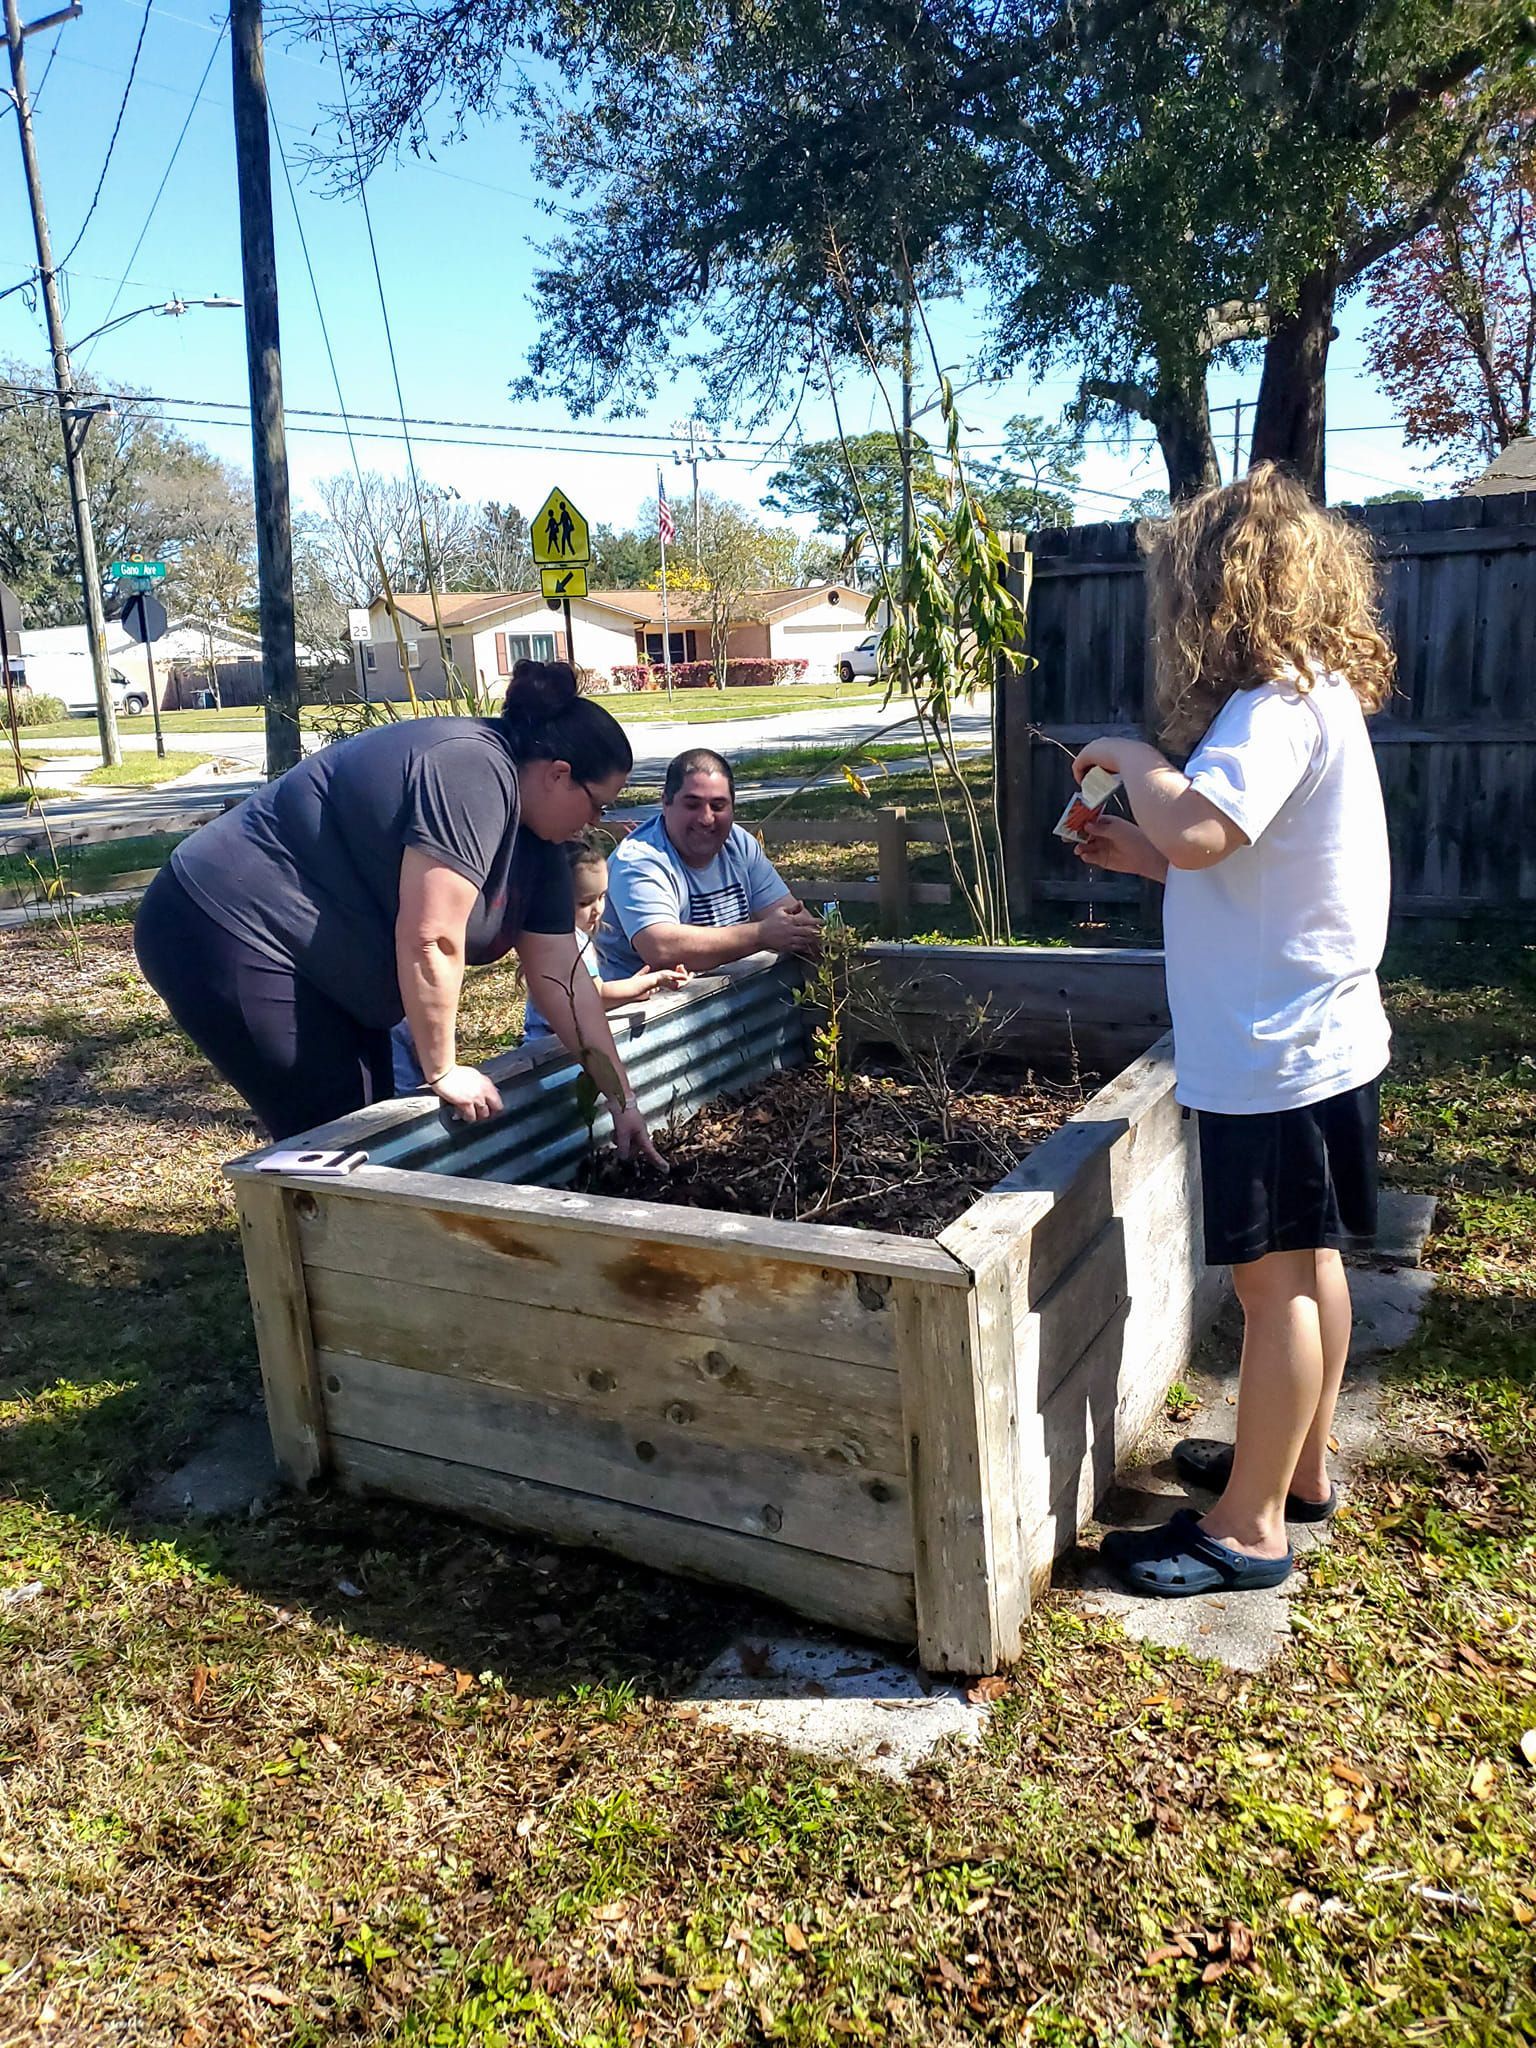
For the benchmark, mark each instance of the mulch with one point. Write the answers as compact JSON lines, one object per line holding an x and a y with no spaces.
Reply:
{"x":882,"y":1152}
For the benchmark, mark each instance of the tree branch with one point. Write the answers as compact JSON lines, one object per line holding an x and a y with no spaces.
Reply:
{"x":1233,"y":320}
{"x":1353,"y":263}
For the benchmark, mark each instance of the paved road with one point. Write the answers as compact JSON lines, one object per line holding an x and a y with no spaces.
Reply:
{"x":116,"y":814}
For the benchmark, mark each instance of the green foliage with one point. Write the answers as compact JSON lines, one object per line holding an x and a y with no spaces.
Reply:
{"x":33,"y":709}
{"x":1032,"y":484}
{"x":855,"y":491}
{"x":149,"y":488}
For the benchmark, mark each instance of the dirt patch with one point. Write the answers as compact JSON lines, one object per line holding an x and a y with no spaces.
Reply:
{"x":884,"y":1152}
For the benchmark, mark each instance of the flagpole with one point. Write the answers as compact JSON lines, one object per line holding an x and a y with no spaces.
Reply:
{"x":666,"y":623}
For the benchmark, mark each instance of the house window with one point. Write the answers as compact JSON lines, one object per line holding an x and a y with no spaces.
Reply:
{"x":448,"y":646}
{"x":370,"y":656}
{"x":681,"y":651}
{"x":532,"y":646}
{"x":412,"y":654}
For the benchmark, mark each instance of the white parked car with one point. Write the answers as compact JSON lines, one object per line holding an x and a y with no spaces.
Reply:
{"x":863,"y":660}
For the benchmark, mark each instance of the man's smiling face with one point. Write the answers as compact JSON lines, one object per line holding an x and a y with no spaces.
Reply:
{"x":699,"y":818}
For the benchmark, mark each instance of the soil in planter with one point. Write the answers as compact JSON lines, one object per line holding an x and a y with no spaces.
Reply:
{"x":903,"y":1157}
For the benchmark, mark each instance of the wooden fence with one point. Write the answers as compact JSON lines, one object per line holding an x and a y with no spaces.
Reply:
{"x":893,"y":888}
{"x":1456,"y":748}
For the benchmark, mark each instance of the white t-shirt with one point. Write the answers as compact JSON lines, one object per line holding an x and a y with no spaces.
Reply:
{"x":535,"y":1025}
{"x":1272,"y":954}
{"x":649,"y":883}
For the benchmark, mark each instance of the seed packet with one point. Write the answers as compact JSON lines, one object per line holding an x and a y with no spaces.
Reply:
{"x":1098,"y":786}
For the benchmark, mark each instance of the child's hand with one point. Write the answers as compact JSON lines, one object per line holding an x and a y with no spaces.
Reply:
{"x":663,"y":978}
{"x":1103,"y":753}
{"x":1121,"y":848}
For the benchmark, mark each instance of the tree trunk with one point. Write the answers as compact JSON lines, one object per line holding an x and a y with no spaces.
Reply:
{"x":1182,"y":419}
{"x":1290,"y":421}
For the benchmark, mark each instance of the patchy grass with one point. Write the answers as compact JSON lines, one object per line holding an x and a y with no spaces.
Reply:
{"x":26,"y":793}
{"x":143,"y":771}
{"x":351,"y":1773}
{"x":235,"y":718}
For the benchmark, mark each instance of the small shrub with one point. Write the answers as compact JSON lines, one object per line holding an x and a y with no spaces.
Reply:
{"x":700,"y":675}
{"x":32,"y":709}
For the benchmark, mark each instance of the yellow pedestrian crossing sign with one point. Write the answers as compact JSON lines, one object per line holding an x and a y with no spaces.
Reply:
{"x":560,"y":536}
{"x":570,"y":582}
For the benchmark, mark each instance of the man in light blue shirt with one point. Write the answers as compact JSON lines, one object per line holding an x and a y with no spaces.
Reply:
{"x":692,"y":889}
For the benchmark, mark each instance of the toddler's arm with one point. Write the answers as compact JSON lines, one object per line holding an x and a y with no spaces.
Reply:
{"x":639,"y":988}
{"x":1181,"y":825}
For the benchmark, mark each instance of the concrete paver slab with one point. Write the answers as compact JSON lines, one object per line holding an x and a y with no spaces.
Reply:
{"x":836,"y":1699}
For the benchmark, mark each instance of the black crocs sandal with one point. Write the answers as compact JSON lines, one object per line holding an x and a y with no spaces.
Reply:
{"x":1206,"y":1463}
{"x":1171,"y":1562}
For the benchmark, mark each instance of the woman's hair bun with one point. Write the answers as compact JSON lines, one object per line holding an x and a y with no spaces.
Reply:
{"x":538,"y":692}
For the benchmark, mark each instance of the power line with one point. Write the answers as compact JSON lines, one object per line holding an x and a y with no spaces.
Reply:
{"x":117,"y":127}
{"x":165,"y":179}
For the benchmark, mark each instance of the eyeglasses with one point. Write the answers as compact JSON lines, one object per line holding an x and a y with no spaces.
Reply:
{"x":599,"y":808}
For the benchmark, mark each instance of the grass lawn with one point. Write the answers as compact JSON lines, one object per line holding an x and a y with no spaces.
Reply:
{"x":351,"y":1773}
{"x":18,"y":793}
{"x":143,"y":771}
{"x":238,"y":718}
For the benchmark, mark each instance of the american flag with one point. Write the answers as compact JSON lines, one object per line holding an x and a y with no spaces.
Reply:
{"x":666,"y":524}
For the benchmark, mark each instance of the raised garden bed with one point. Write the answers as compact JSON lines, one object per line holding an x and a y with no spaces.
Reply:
{"x":892,"y":1433}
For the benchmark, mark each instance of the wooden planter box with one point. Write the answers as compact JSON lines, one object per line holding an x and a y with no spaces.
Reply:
{"x":894,"y":1435}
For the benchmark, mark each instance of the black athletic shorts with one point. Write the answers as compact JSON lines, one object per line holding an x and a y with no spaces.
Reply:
{"x":1291,"y":1180}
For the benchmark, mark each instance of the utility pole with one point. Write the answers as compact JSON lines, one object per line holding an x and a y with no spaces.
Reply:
{"x":269,"y":452}
{"x":692,"y":434}
{"x":72,"y":421}
{"x":1237,"y":437}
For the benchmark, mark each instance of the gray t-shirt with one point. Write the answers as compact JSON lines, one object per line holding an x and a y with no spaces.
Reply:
{"x":308,"y":869}
{"x":649,"y":883}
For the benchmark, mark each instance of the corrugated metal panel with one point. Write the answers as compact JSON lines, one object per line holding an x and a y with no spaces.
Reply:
{"x":677,"y":1059}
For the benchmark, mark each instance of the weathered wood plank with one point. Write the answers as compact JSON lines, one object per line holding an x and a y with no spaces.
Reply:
{"x":1089,"y":1420}
{"x":1055,"y":1201}
{"x":637,"y":1374}
{"x":1092,"y":984}
{"x":957,"y":1381}
{"x":803,"y":1503}
{"x":731,"y":1290}
{"x":284,"y":1344}
{"x":863,"y":1598}
{"x":830,"y":888}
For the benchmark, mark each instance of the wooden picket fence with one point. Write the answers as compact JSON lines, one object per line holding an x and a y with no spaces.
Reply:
{"x":893,"y":889}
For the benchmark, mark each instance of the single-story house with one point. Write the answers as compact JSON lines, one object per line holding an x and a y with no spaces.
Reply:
{"x":1513,"y":470}
{"x":57,"y":662}
{"x":487,"y":631}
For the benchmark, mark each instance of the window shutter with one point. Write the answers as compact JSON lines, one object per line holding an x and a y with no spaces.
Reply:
{"x":503,"y":664}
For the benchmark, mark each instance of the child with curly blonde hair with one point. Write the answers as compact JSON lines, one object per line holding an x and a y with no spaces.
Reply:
{"x":1272,"y":842}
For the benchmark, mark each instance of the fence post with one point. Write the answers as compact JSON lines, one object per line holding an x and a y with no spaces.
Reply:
{"x":895,"y":899}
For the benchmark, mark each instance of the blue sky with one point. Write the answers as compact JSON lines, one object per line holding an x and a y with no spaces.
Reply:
{"x":457,"y":262}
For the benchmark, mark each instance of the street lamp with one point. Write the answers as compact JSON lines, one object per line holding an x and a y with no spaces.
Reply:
{"x":172,"y":307}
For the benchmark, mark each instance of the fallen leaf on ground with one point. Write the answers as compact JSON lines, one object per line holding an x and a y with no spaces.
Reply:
{"x":615,"y":1909}
{"x":462,"y":1681}
{"x":794,"y":1937}
{"x":985,"y":1690}
{"x":1484,"y":1781}
{"x":1346,"y":1772}
{"x":268,"y":1994}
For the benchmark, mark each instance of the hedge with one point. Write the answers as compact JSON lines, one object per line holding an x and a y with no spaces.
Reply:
{"x":754,"y":674}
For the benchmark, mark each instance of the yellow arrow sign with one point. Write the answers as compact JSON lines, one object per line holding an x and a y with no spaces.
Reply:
{"x":563,"y":582}
{"x":560,"y":536}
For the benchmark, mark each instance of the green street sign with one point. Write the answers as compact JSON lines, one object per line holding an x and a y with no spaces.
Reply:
{"x":142,"y":572}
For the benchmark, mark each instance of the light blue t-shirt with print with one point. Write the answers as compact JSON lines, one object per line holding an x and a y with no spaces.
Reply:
{"x":649,"y":883}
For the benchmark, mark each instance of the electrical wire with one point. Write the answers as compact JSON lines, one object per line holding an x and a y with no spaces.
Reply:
{"x":117,"y":128}
{"x":165,"y":178}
